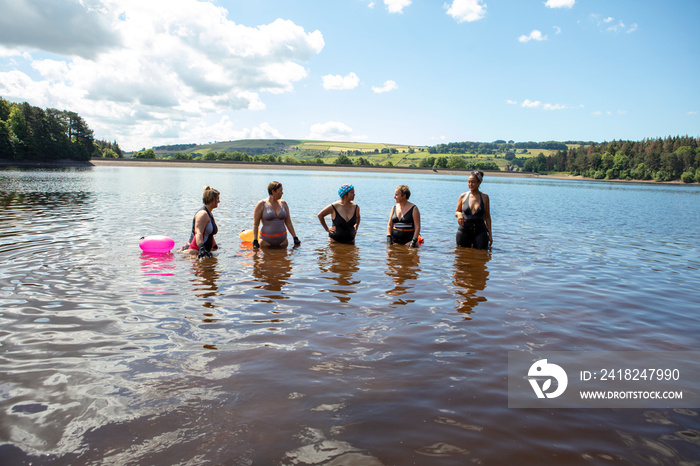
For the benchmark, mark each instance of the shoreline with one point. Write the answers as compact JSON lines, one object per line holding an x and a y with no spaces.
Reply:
{"x":282,"y":166}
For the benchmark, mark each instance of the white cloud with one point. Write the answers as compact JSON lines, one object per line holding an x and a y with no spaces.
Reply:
{"x":225,"y":129}
{"x":511,"y":102}
{"x":527,"y":103}
{"x":534,"y":35}
{"x":557,"y":30}
{"x":389,"y":85}
{"x":72,"y":27}
{"x":559,"y":3}
{"x":52,"y":70}
{"x":11,"y":52}
{"x":370,"y":5}
{"x":337,"y":82}
{"x":692,"y":113}
{"x":531,"y":104}
{"x":554,"y":107}
{"x":147,"y":66}
{"x":598,"y":113}
{"x":396,"y":6}
{"x":608,"y":24}
{"x":330,"y":131}
{"x":466,"y":10}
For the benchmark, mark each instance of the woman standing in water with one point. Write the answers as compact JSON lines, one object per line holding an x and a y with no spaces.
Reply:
{"x":404,"y":219}
{"x":204,"y":227}
{"x":474,"y":216}
{"x":345,"y":215}
{"x":274,"y":214}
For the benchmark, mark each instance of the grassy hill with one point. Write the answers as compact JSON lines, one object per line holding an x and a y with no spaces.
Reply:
{"x":308,"y":151}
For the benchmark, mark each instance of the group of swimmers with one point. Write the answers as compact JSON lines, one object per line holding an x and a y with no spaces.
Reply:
{"x":472,"y":212}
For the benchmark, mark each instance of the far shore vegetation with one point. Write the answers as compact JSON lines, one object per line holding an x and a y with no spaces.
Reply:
{"x":30,"y":133}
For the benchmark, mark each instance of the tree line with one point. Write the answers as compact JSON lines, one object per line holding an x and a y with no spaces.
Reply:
{"x":33,"y":133}
{"x":667,"y":159}
{"x":490,"y":148}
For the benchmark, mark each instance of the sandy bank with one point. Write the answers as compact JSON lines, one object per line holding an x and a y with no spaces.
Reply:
{"x":282,"y":166}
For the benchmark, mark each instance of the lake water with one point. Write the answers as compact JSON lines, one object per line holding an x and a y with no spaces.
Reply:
{"x":331,"y":354}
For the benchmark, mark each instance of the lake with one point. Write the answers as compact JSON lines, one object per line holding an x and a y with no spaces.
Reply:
{"x":331,"y":354}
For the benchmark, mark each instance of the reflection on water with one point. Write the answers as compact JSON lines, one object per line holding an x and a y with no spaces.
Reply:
{"x":272,"y":268}
{"x":204,"y":281}
{"x":470,"y":276}
{"x":329,"y":353}
{"x":403,"y":266}
{"x":339,"y":263}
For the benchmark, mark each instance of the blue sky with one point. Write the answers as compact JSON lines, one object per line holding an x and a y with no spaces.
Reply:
{"x":419,"y":72}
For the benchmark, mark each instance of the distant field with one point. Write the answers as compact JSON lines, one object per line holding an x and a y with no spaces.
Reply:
{"x":352,"y":146}
{"x":328,"y":151}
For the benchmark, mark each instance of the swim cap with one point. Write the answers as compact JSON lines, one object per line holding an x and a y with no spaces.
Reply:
{"x":343,"y":190}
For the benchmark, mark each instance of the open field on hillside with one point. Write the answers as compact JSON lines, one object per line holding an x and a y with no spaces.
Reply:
{"x":308,"y":151}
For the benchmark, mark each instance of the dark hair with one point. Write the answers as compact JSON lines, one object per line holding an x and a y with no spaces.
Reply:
{"x":210,"y":194}
{"x":478,"y":174}
{"x":404,"y":190}
{"x":273,"y":186}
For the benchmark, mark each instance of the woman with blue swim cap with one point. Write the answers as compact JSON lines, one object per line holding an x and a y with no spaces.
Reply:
{"x":345,"y":215}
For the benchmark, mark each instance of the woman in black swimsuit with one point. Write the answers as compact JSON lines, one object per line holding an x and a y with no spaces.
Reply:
{"x":404,"y":219}
{"x":345,"y":215}
{"x":474,"y":216}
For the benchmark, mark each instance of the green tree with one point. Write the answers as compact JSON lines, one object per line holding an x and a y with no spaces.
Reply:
{"x":640,"y":172}
{"x":427,"y":162}
{"x":18,"y":127}
{"x":456,"y":163}
{"x":440,"y":162}
{"x":671,"y":165}
{"x":109,"y":154}
{"x":5,"y":108}
{"x":343,"y":160}
{"x":6,"y":147}
{"x":688,"y":177}
{"x":145,"y":154}
{"x":686,"y":156}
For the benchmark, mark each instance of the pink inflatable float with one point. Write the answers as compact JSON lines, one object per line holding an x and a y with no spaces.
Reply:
{"x":156,"y":244}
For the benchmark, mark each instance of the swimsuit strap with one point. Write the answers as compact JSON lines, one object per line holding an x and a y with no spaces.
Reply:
{"x":215,"y":229}
{"x":337,"y":214}
{"x":403,"y":217}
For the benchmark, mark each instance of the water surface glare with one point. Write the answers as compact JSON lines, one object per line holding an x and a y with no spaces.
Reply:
{"x":331,"y":354}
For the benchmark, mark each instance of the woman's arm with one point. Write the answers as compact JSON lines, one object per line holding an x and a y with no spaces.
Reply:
{"x":416,"y":221}
{"x":458,"y":212}
{"x":357,"y":221}
{"x":257,"y":216}
{"x":487,"y":217}
{"x":391,"y":222}
{"x":200,"y":224}
{"x":389,"y":226}
{"x":322,"y":217}
{"x":288,"y":220}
